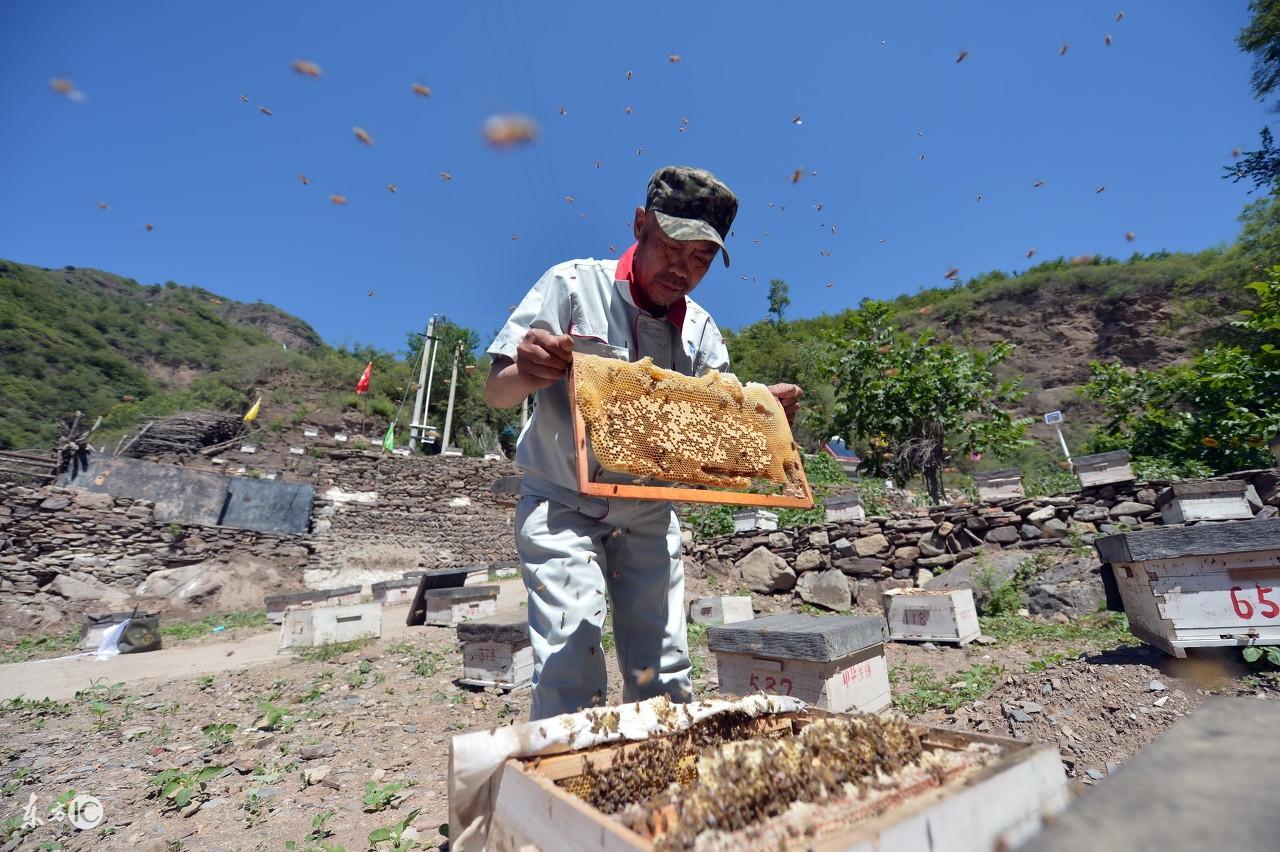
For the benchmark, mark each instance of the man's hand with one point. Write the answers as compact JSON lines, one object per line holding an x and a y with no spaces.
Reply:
{"x":543,"y":358}
{"x":788,"y":396}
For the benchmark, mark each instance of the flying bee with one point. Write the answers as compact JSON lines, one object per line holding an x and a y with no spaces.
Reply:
{"x":150,"y":227}
{"x":1107,"y":40}
{"x":420,"y":90}
{"x":340,"y":200}
{"x":446,"y":176}
{"x":1100,"y":189}
{"x":102,"y":205}
{"x":306,"y":69}
{"x":951,"y":274}
{"x":264,"y":110}
{"x":63,"y":86}
{"x":1031,"y":253}
{"x":1130,"y":236}
{"x":796,"y":175}
{"x":674,"y":59}
{"x":391,"y":187}
{"x":629,"y":75}
{"x":1062,"y":51}
{"x":306,"y":181}
{"x":507,"y":130}
{"x":362,"y":135}
{"x":962,"y":56}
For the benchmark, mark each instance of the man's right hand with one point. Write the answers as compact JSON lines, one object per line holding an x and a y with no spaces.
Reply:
{"x":543,"y":358}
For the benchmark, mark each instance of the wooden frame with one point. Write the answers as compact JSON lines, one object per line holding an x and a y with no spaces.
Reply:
{"x":676,"y":494}
{"x":999,"y":805}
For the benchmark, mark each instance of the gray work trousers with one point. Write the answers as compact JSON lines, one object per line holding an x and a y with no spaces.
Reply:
{"x":578,"y":561}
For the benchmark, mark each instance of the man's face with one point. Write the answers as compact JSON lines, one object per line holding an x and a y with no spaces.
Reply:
{"x":666,"y":270}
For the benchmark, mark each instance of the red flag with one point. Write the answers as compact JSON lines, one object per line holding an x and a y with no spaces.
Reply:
{"x":363,"y":384}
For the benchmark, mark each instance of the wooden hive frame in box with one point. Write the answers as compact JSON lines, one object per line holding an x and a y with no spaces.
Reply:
{"x":698,"y":494}
{"x":995,"y":806}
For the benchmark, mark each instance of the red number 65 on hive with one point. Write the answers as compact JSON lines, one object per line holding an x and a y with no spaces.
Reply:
{"x":1257,"y":602}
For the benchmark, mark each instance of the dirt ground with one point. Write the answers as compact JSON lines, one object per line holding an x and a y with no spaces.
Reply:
{"x":319,"y":752}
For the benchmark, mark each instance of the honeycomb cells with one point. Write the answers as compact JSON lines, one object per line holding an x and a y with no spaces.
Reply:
{"x":708,"y":431}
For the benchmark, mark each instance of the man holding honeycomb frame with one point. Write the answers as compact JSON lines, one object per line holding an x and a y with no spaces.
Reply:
{"x":577,"y":549}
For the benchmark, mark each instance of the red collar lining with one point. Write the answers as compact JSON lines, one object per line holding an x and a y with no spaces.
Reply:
{"x":675,"y":313}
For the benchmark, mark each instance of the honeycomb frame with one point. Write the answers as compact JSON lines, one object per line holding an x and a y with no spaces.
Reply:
{"x":757,"y":442}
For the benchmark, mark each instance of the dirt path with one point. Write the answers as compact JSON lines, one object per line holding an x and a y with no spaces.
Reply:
{"x":63,"y":677}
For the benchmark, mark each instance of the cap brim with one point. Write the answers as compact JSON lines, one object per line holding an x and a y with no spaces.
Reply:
{"x":689,"y":230}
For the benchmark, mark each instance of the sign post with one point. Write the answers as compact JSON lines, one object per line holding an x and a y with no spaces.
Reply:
{"x":1054,"y":419}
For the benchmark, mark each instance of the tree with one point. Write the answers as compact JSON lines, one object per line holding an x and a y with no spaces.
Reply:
{"x":778,"y":299}
{"x":1219,"y":410}
{"x":918,"y":400}
{"x":1261,"y":38}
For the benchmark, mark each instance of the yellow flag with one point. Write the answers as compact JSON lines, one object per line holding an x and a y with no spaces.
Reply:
{"x":253,"y":412}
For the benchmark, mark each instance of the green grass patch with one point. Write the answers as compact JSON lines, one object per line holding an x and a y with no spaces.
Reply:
{"x":333,"y":650}
{"x":1104,"y":630}
{"x":917,"y":688}
{"x":32,"y":647}
{"x":180,"y":630}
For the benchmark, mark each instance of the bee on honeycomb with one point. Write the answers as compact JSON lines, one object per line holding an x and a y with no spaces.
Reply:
{"x":708,"y":431}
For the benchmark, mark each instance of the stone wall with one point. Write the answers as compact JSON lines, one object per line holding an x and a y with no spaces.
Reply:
{"x":838,"y":565}
{"x":66,"y":551}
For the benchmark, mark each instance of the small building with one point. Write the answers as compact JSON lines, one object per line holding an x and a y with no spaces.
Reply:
{"x":843,"y":454}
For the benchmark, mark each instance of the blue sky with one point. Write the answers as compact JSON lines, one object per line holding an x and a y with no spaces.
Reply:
{"x":163,"y":137}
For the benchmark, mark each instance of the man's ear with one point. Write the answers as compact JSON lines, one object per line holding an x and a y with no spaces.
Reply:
{"x":637,"y":224}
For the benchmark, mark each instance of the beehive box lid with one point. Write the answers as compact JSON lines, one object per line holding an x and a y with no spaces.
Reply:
{"x":444,"y":578}
{"x":512,"y":628}
{"x":1200,"y":540}
{"x":800,"y":637}
{"x":1205,"y":488}
{"x":465,"y":593}
{"x":1166,"y":782}
{"x":1116,"y":457}
{"x":996,"y":475}
{"x":402,"y":583}
{"x":281,"y":601}
{"x":843,"y":500}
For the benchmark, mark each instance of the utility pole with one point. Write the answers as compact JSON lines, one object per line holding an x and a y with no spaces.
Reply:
{"x":453,"y":389}
{"x":415,"y":423}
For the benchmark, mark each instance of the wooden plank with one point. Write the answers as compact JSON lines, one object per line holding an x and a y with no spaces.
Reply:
{"x":531,"y":812}
{"x":1205,"y":784}
{"x":674,"y":494}
{"x":1237,"y":599}
{"x":512,"y":629}
{"x":1200,"y":540}
{"x":799,"y":637}
{"x":991,"y":476}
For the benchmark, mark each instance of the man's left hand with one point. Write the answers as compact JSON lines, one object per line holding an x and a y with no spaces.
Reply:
{"x":788,"y":397}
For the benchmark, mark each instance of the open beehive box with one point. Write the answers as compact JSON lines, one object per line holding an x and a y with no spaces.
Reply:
{"x":791,"y":780}
{"x":656,"y":430}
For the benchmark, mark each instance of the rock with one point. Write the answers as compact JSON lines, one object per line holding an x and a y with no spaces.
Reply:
{"x":80,"y":590}
{"x":1031,"y":707}
{"x":908,"y":554}
{"x":1161,"y":701}
{"x":1054,"y":528}
{"x":928,"y":548}
{"x":410,"y":729}
{"x":984,"y":639}
{"x":923,"y":576}
{"x":827,"y":589}
{"x":1039,"y":516}
{"x":1015,"y":714}
{"x":945,"y":528}
{"x":55,"y":503}
{"x":943,"y":561}
{"x":928,"y":646}
{"x":1002,"y":535}
{"x":1073,"y":587}
{"x":1147,"y":495}
{"x":1001,"y":563}
{"x":819,"y":538}
{"x":315,"y":752}
{"x":859,"y":567}
{"x":870,"y":545}
{"x":1095,"y":774}
{"x":1128,"y":509}
{"x":1090,"y":514}
{"x":844,"y":547}
{"x":764,"y":572}
{"x":192,"y":808}
{"x":312,"y":775}
{"x":1027,"y":532}
{"x":808,"y":560}
{"x":1156,"y":686}
{"x":779,"y":540}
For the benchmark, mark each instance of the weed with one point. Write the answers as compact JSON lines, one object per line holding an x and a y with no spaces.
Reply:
{"x":379,"y":797}
{"x":177,"y":789}
{"x":204,"y":683}
{"x":38,"y":706}
{"x":274,"y":718}
{"x":394,"y":834}
{"x":1103,"y":630}
{"x":218,"y":734}
{"x":1254,"y":653}
{"x":180,"y":630}
{"x":256,"y":808}
{"x":317,"y":690}
{"x":917,"y":688}
{"x":332,"y":650}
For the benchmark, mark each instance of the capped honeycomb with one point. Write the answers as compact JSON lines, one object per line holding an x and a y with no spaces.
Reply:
{"x":708,"y":431}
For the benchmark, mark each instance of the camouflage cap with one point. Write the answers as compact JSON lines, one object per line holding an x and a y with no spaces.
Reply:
{"x":692,"y":204}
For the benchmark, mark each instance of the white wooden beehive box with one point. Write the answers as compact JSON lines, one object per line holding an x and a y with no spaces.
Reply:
{"x":923,"y":615}
{"x":1211,"y":500}
{"x":448,"y":607}
{"x":723,"y":609}
{"x":1206,"y":585}
{"x":310,"y":626}
{"x":1103,"y":469}
{"x":996,"y":485}
{"x":833,"y":662}
{"x":496,"y":652}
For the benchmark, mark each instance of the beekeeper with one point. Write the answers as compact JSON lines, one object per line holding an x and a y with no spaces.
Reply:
{"x":585,"y":555}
